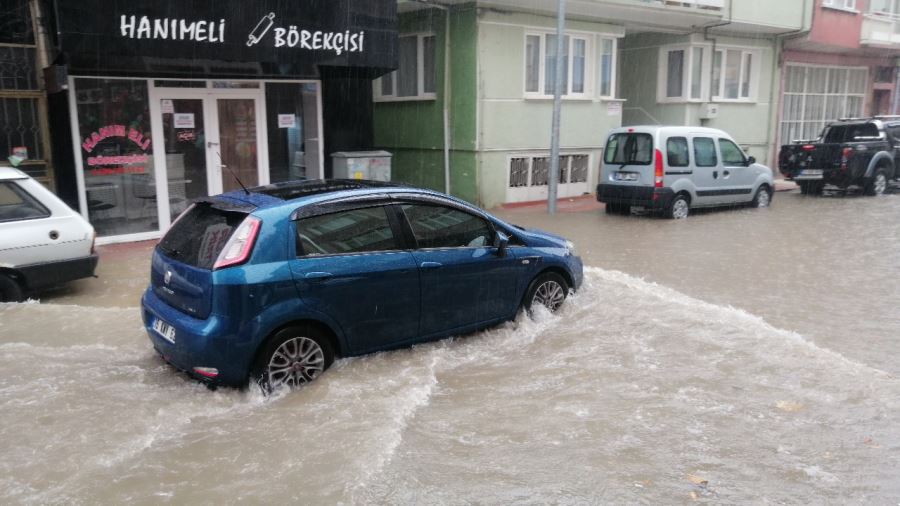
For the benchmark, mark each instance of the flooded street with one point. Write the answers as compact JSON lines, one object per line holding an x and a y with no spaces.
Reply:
{"x":736,"y":356}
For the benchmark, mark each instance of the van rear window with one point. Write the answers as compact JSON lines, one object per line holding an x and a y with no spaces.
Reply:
{"x":198,"y":237}
{"x":629,"y":149}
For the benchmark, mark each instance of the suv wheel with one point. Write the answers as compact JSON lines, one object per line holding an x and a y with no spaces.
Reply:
{"x":679,"y":208}
{"x":293,"y":357}
{"x":763,"y":197}
{"x":10,"y":290}
{"x":878,"y":184}
{"x":548,"y":290}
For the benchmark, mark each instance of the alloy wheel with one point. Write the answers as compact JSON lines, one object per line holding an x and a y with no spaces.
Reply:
{"x":549,"y":294}
{"x":680,"y":209}
{"x":297,"y":361}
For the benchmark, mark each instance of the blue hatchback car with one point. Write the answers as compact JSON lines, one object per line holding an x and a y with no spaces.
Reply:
{"x":272,"y":283}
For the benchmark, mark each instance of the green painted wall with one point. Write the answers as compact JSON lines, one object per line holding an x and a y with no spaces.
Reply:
{"x":509,"y":123}
{"x":413,"y":130}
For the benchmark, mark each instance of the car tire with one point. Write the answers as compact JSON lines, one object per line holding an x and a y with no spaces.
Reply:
{"x":811,"y":187}
{"x":679,"y":208}
{"x":877,"y":185}
{"x":763,"y":197}
{"x":293,"y":357}
{"x":10,"y":290}
{"x":548,"y":289}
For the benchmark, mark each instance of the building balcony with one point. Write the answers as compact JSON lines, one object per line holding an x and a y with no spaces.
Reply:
{"x":880,"y":30}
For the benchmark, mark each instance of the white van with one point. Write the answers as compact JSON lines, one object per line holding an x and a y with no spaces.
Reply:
{"x":672,"y":169}
{"x":43,"y":242}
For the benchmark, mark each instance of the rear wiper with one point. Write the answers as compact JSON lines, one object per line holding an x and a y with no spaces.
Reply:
{"x":170,"y":252}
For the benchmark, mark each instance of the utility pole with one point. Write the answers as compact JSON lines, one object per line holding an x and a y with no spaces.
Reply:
{"x":553,"y":177}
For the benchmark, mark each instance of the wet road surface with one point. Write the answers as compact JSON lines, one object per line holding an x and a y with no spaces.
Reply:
{"x":737,"y":356}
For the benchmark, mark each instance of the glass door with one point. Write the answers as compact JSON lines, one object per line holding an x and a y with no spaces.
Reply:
{"x":210,"y":139}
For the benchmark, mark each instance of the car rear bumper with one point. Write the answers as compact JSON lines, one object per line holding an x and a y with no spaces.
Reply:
{"x":644,"y":196}
{"x":47,"y":274}
{"x":198,"y":343}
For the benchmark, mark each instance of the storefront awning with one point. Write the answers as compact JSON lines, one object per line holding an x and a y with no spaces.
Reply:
{"x":228,"y":38}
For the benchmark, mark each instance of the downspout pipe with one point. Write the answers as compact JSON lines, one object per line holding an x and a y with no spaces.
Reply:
{"x":446,"y":94}
{"x":707,"y":38}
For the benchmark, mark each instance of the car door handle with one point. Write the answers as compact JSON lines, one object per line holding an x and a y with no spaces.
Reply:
{"x":725,"y":173}
{"x":317,"y":276}
{"x":431,"y":265}
{"x":715,"y":174}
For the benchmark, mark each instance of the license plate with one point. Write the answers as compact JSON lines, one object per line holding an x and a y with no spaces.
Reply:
{"x":626,"y":176}
{"x":165,"y":330}
{"x":811,"y":172}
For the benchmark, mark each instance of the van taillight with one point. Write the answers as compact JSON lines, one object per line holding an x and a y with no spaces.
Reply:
{"x":239,"y":246}
{"x":659,"y":169}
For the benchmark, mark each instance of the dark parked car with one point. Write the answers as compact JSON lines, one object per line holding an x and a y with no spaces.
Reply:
{"x":273,"y":283}
{"x":861,"y":153}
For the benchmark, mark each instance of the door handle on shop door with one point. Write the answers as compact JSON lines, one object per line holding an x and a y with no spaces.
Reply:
{"x":431,"y":265}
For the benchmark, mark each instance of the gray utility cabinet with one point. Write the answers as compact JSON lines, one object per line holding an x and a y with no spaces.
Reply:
{"x":373,"y":165}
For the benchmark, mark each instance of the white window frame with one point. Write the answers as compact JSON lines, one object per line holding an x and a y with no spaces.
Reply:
{"x":686,"y":73}
{"x":706,"y":74}
{"x":894,"y":10}
{"x":421,"y":94}
{"x":613,"y":64}
{"x":843,"y":5}
{"x":589,"y":64}
{"x":755,"y":55}
{"x":815,"y":125}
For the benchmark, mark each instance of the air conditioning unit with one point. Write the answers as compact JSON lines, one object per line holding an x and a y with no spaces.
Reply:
{"x":709,"y":110}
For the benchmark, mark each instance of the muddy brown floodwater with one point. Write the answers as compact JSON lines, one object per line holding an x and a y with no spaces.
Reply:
{"x":737,"y":356}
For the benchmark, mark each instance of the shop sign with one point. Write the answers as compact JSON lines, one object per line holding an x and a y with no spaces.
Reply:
{"x":286,"y":121}
{"x":102,"y":165}
{"x":183,"y":120}
{"x":355,"y":33}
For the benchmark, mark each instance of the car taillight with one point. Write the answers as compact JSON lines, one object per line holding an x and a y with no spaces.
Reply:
{"x":808,"y":147}
{"x":659,"y":169}
{"x":239,"y":246}
{"x":846,"y":154}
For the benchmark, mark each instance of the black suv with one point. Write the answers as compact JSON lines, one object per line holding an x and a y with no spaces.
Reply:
{"x":860,"y":153}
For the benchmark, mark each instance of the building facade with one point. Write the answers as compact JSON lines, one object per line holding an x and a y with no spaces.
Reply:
{"x":696,"y":62}
{"x":844,"y":66}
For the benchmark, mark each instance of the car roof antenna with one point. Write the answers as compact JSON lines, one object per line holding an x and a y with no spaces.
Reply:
{"x":232,"y":173}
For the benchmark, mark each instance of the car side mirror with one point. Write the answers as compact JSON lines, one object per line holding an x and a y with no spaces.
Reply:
{"x":750,"y":160}
{"x":501,"y":241}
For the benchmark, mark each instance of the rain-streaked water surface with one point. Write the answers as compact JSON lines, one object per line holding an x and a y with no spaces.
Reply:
{"x":671,"y":376}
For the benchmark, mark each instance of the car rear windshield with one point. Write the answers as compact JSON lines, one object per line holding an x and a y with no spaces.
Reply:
{"x":198,"y":237}
{"x":629,"y":149}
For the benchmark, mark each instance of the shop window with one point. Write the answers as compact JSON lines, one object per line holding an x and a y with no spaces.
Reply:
{"x":293,"y":133}
{"x":116,"y":155}
{"x":15,"y":24}
{"x":579,"y":71}
{"x":415,"y":78}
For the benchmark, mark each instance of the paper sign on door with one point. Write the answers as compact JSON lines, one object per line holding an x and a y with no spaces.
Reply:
{"x":184,"y":120}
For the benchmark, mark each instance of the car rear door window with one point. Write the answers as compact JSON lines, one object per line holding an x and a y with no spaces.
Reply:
{"x":354,"y":231}
{"x":629,"y":149}
{"x":731,"y":153}
{"x":436,"y":226}
{"x":705,"y":152}
{"x":677,"y":152}
{"x":16,"y":204}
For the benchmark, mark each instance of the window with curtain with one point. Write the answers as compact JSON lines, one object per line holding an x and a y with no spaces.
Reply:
{"x":416,"y":77}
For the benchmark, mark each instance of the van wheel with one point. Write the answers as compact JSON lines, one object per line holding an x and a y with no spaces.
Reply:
{"x":10,"y":290}
{"x":549,"y":290}
{"x":763,"y":197}
{"x":878,"y":184}
{"x":292,"y":357}
{"x":679,"y":208}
